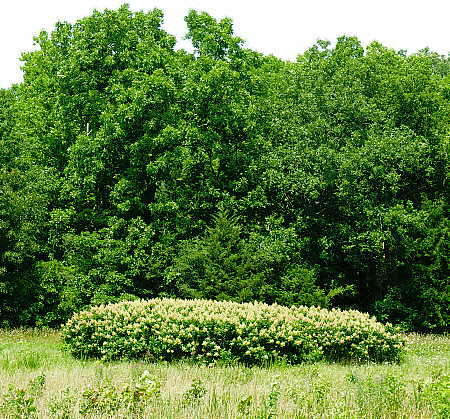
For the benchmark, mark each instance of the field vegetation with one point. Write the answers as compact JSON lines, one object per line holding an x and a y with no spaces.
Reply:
{"x":39,"y":380}
{"x":134,"y":171}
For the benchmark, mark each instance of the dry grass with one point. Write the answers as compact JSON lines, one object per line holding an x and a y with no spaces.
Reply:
{"x":416,"y":388}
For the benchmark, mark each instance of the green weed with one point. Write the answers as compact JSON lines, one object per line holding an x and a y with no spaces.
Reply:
{"x":194,"y":393}
{"x":20,"y":402}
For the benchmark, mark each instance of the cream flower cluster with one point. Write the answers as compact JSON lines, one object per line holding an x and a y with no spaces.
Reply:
{"x":252,"y":333}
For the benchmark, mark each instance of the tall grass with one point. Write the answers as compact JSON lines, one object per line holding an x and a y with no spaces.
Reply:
{"x":38,"y":379}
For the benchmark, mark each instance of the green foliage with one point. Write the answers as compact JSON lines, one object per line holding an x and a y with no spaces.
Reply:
{"x":211,"y":38}
{"x":61,"y":406}
{"x":270,"y":407}
{"x":207,"y":331}
{"x":243,"y":407}
{"x":129,"y":169}
{"x":362,"y":172}
{"x":194,"y":393}
{"x":106,"y":398}
{"x":224,"y":265}
{"x":436,"y":394}
{"x":24,"y":197}
{"x":20,"y":402}
{"x":7,"y":121}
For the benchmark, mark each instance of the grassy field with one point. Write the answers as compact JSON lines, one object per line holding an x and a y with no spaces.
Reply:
{"x":38,"y":379}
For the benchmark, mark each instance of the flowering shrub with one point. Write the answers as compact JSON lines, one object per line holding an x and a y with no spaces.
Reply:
{"x":252,"y":333}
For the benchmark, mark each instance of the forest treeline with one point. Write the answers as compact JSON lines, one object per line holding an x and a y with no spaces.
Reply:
{"x":132,"y":169}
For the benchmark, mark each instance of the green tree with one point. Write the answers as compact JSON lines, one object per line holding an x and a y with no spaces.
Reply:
{"x":123,"y":159}
{"x":224,"y":264}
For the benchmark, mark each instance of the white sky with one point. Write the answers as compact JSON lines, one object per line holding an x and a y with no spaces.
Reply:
{"x":283,"y":28}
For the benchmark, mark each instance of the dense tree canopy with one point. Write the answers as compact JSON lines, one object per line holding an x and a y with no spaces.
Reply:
{"x":130,"y":169}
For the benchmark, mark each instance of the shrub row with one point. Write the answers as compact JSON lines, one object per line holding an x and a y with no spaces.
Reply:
{"x":252,"y":333}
